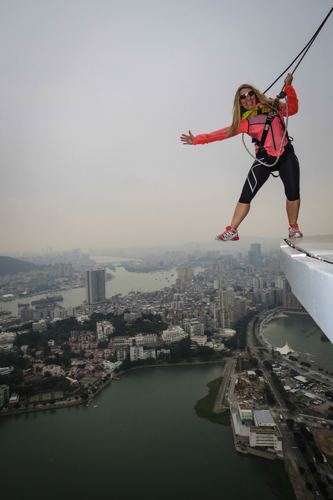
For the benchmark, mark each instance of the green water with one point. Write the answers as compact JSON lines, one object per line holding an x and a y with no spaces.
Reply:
{"x":143,"y":441}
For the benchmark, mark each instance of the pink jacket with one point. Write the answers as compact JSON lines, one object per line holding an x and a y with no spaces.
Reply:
{"x":253,"y":125}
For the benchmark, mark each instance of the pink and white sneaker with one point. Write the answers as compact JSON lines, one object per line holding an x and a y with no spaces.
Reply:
{"x":228,"y":235}
{"x":294,"y":231}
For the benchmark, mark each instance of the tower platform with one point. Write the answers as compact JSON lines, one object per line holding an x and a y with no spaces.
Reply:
{"x":308,"y":265}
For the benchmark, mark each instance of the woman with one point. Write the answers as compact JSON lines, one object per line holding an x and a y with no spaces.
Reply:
{"x":252,"y":111}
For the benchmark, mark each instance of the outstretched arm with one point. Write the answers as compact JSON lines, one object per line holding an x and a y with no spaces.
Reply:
{"x":218,"y":135}
{"x":187,"y":140}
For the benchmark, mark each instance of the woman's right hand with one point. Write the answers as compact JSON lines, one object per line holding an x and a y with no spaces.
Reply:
{"x":187,"y":139}
{"x":288,"y":80}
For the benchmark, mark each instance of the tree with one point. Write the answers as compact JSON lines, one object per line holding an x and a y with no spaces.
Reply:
{"x":66,"y":347}
{"x":270,"y":399}
{"x":312,"y":466}
{"x":302,"y":447}
{"x":253,"y":361}
{"x":309,"y":486}
{"x":232,"y":343}
{"x":268,"y":365}
{"x":290,"y":423}
{"x":322,"y":485}
{"x":307,"y":434}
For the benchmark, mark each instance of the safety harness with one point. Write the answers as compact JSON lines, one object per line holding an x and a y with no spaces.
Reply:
{"x":270,"y":117}
{"x":268,"y":124}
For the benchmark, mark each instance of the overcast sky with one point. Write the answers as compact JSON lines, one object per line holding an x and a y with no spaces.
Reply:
{"x":95,"y":95}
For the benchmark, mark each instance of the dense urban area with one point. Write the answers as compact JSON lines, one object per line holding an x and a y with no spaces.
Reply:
{"x":278,"y":402}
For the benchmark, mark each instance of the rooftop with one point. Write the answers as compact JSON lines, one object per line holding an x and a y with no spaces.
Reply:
{"x":263,"y":417}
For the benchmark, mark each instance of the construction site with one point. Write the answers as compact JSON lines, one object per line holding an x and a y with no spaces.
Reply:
{"x":249,"y":387}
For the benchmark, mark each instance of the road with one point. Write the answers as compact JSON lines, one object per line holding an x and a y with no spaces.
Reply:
{"x":223,"y":390}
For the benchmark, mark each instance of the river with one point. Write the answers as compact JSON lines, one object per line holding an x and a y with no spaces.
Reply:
{"x":143,"y":440}
{"x":303,"y":335}
{"x":123,"y":282}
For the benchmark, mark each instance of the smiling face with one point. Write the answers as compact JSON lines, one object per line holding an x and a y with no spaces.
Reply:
{"x":247,"y":101}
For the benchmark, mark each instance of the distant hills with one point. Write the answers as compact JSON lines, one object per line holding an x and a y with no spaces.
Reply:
{"x":8,"y":265}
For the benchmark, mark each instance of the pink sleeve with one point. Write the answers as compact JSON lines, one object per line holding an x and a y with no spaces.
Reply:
{"x":219,"y":135}
{"x":292,"y":101}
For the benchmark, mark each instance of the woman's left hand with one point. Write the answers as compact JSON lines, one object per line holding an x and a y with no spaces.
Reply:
{"x":187,"y":139}
{"x":288,"y":80}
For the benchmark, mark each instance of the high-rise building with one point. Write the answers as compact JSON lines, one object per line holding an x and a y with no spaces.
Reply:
{"x":61,"y":270}
{"x":217,"y":283}
{"x":222,"y":299}
{"x":225,"y":298}
{"x":95,"y":286}
{"x":256,"y":248}
{"x":185,"y":273}
{"x":224,"y":319}
{"x":252,"y":257}
{"x":291,"y":303}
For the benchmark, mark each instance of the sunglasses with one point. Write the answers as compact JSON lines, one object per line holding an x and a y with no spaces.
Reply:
{"x":244,"y":96}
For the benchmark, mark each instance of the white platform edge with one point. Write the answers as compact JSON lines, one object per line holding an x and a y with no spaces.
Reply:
{"x":311,"y":281}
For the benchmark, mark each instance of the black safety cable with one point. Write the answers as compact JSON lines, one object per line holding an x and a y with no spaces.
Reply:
{"x":306,"y":48}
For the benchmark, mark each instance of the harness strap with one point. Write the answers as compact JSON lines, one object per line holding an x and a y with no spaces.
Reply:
{"x":267,"y":126}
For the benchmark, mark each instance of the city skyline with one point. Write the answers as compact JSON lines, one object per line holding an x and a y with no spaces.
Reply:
{"x":268,"y":244}
{"x":94,"y":100}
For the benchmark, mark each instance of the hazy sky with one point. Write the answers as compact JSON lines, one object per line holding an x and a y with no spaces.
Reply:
{"x":95,"y":95}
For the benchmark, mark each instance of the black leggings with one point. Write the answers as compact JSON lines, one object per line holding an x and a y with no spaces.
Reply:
{"x":288,"y":168}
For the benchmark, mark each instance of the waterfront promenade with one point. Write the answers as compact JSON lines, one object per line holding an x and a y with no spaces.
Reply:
{"x":221,"y":403}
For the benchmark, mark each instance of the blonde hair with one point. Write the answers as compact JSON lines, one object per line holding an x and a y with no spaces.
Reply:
{"x":238,"y":109}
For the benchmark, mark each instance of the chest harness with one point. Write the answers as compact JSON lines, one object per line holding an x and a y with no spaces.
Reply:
{"x":270,"y":117}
